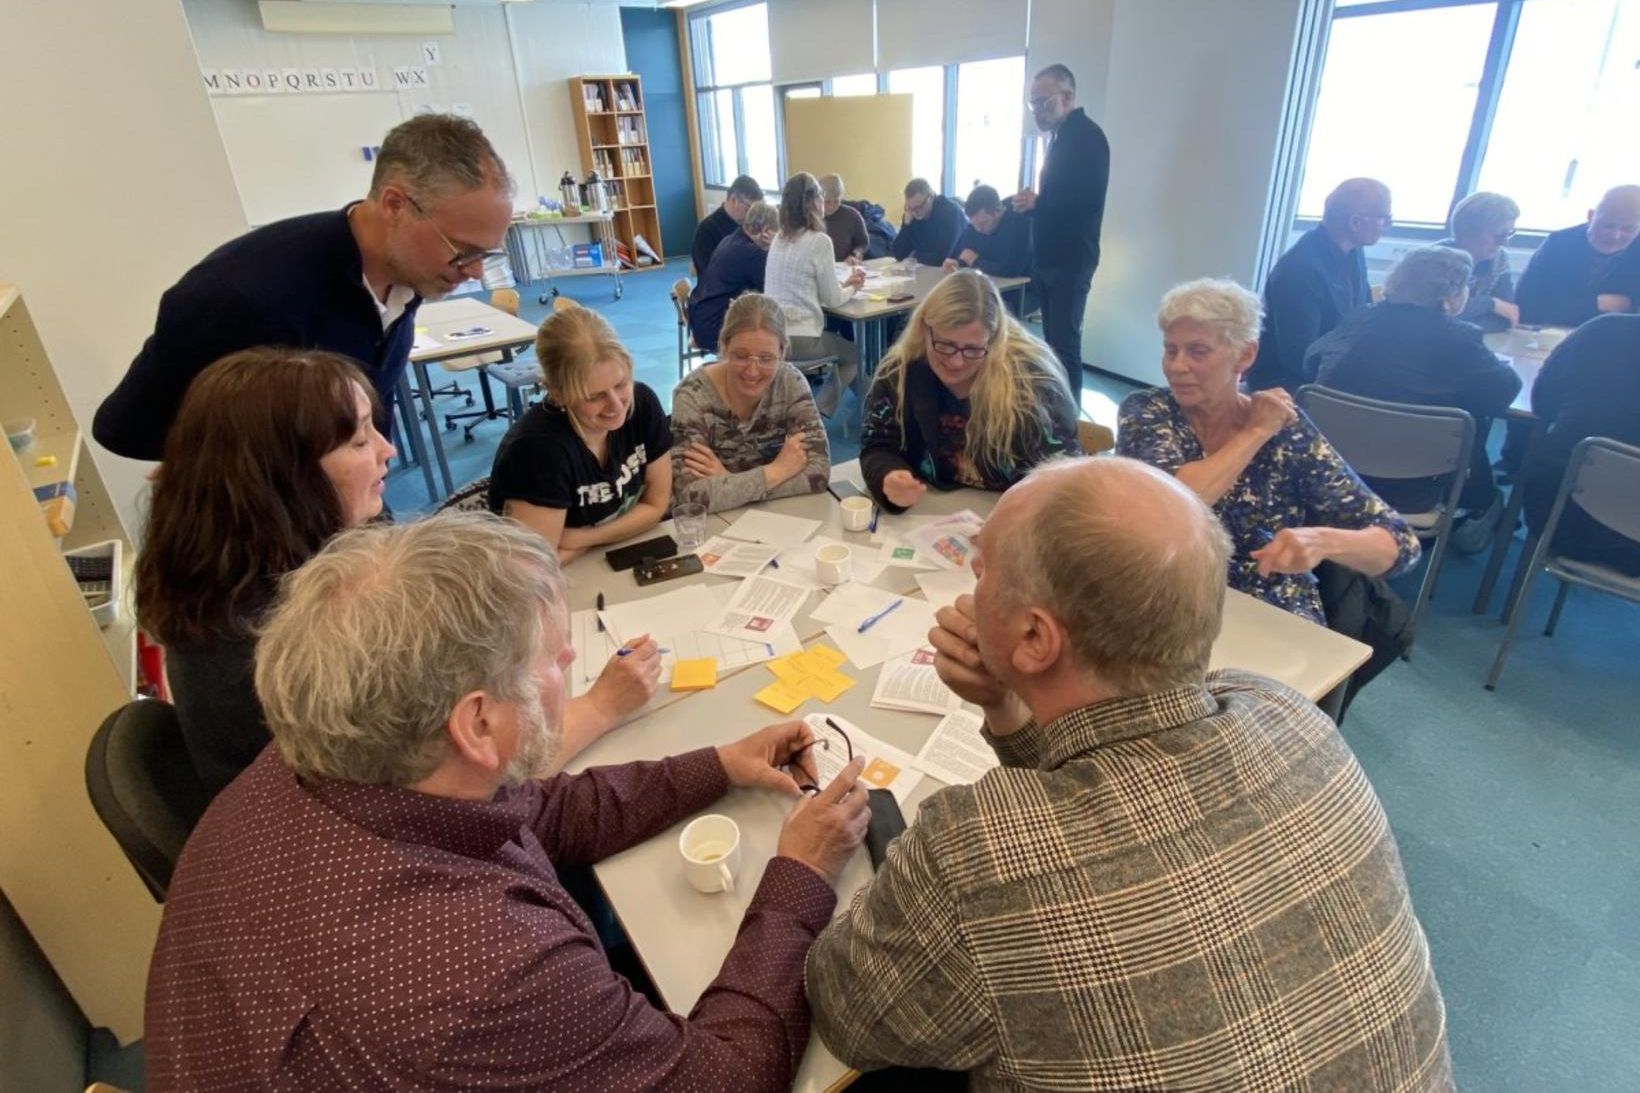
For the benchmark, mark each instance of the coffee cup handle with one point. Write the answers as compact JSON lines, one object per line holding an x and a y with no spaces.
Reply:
{"x":727,"y":877}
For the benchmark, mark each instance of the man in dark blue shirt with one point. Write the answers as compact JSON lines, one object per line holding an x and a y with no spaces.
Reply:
{"x":735,"y":267}
{"x":1581,"y":271}
{"x":348,"y":281}
{"x":1320,"y":280}
{"x":1067,"y":212}
{"x":930,"y":227}
{"x":723,"y":221}
{"x":997,"y":240}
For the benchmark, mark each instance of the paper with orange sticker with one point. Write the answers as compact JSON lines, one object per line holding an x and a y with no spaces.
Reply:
{"x":887,"y":767}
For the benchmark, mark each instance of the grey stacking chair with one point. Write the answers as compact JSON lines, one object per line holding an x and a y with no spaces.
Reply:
{"x":1603,"y":477}
{"x":1382,"y":440}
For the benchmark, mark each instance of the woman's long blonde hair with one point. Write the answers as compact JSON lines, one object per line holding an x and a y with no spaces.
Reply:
{"x":1006,"y":395}
{"x":568,"y":345}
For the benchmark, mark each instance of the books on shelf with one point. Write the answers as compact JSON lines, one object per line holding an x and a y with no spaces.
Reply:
{"x":630,"y":131}
{"x":593,"y":95}
{"x":626,"y":97}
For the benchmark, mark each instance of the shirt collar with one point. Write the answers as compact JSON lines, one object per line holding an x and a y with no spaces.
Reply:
{"x":1116,"y":719}
{"x":475,"y":829}
{"x":398,"y":298}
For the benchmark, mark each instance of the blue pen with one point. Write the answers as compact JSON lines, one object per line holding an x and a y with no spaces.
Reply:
{"x":874,"y":511}
{"x":878,"y":617}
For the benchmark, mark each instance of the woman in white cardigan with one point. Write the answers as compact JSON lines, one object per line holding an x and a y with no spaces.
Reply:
{"x":801,"y":275}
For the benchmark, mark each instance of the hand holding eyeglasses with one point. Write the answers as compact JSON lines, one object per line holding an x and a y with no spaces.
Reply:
{"x":824,"y":830}
{"x":759,"y":759}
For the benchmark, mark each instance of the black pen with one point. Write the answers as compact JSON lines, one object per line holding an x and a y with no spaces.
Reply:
{"x":600,"y":613}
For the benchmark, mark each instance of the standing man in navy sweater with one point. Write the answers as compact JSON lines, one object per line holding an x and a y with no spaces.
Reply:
{"x":1066,"y":214}
{"x":348,"y":281}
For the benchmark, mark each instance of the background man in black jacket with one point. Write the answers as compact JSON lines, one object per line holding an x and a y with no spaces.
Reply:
{"x":1066,"y":214}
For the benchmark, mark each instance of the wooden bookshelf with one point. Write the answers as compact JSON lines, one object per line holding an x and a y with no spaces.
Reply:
{"x":60,"y":675}
{"x":612,"y":130}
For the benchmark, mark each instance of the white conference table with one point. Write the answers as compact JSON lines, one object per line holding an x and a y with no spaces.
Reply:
{"x":683,"y":936}
{"x":436,"y":322}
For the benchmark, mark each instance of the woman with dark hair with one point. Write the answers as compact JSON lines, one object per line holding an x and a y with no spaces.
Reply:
{"x":802,"y":277}
{"x":272,"y":452}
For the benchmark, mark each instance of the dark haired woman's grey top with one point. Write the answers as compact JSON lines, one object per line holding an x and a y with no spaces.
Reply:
{"x":221,"y":717}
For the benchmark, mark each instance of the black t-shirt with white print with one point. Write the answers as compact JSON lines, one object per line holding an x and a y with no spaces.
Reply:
{"x":543,"y":461}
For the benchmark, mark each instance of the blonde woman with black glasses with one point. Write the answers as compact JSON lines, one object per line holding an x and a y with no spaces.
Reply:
{"x":966,"y":397}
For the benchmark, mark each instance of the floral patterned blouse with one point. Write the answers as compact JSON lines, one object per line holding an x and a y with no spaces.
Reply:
{"x":1296,"y":480}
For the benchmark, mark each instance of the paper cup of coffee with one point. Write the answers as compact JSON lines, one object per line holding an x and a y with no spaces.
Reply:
{"x":857,"y":513}
{"x":833,"y":563}
{"x":710,"y":847}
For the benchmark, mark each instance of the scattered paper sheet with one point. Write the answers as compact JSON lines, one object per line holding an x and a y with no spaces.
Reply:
{"x":910,"y":683}
{"x":593,"y":648}
{"x":895,"y":552}
{"x":771,"y":527}
{"x":724,"y":557}
{"x":887,"y":767}
{"x":759,"y":604}
{"x":897,"y":527}
{"x":425,"y":342}
{"x":851,"y":602}
{"x":676,"y":612}
{"x":901,"y":630}
{"x":797,"y":564}
{"x":948,"y":541}
{"x":943,"y":586}
{"x":956,"y":753}
{"x":675,"y":619}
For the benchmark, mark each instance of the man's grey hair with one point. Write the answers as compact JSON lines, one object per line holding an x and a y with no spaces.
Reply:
{"x":1352,"y":197}
{"x":761,"y":217}
{"x":436,"y":156}
{"x":1142,"y":606}
{"x":1060,"y":75}
{"x":371,"y":644}
{"x":918,"y":186}
{"x":831,"y":187}
{"x":1483,"y":213}
{"x":1428,"y":276}
{"x":1231,"y":310}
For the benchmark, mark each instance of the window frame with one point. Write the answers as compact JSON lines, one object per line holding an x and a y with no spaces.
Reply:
{"x":701,"y":59}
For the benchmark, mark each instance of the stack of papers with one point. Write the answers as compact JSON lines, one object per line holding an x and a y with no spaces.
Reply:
{"x":772,"y":528}
{"x":956,"y":753}
{"x":801,"y":676}
{"x":887,"y":767}
{"x":723,"y":557}
{"x":910,"y":683}
{"x":949,"y":541}
{"x":902,"y":629}
{"x":675,"y":621}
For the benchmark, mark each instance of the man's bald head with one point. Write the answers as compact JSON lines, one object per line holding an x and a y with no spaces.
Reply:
{"x":1130,"y":562}
{"x":1358,"y":210}
{"x":1615,"y":222}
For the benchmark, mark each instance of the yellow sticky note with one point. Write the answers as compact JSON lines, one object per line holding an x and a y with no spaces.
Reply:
{"x":694,"y":675}
{"x":827,"y":686}
{"x":781,"y":697}
{"x":786,"y":668}
{"x":825,"y":654}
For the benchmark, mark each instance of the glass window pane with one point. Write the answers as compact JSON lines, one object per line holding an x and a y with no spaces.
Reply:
{"x":736,"y":43}
{"x":807,"y":92}
{"x":717,"y":135}
{"x":926,"y":86}
{"x":863,"y":84}
{"x":1397,"y":98}
{"x":1571,"y":90}
{"x":757,"y":117}
{"x":990,"y":124}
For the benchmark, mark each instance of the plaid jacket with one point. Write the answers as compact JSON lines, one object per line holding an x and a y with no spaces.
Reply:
{"x":1192,"y":890}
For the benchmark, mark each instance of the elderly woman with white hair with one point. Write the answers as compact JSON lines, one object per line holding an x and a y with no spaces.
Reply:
{"x":1481,"y":224}
{"x":1411,"y":347}
{"x":1285,"y":496}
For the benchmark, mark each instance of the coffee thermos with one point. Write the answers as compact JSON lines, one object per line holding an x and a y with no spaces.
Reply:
{"x":569,"y":194}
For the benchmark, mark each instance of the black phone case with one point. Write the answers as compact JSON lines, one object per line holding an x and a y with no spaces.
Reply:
{"x":647,"y":551}
{"x":885,"y":825}
{"x":667,"y":569}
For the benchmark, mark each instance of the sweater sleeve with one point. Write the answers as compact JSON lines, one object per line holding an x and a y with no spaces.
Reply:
{"x":882,"y":441}
{"x":794,"y":405}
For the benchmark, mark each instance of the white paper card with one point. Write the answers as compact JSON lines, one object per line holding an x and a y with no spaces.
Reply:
{"x":759,"y":604}
{"x":948,"y":541}
{"x":902,"y":630}
{"x":956,"y":753}
{"x":593,"y":648}
{"x":943,"y":586}
{"x":887,"y":767}
{"x":723,"y":557}
{"x":910,"y":683}
{"x":676,"y":612}
{"x":853,"y":603}
{"x":772,"y":528}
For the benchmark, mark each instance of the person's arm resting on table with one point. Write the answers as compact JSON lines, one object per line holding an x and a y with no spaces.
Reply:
{"x":888,"y":474}
{"x":573,"y":542}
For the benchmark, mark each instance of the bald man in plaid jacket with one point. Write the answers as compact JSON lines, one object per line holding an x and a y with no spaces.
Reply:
{"x":1176,"y":879}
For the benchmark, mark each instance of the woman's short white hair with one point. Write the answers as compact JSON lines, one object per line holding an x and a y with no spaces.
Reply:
{"x":1483,"y":212}
{"x":1231,"y":310}
{"x":1428,"y":276}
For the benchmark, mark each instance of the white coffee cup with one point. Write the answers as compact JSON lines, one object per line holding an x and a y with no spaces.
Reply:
{"x":710,"y":846}
{"x":857,"y":513}
{"x":834,"y":563}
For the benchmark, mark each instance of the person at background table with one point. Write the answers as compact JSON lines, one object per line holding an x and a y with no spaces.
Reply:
{"x":1589,"y":386}
{"x":274,"y":451}
{"x":845,"y":225}
{"x":1578,"y":272}
{"x":745,"y":427}
{"x":589,"y":464}
{"x":1319,"y":281}
{"x":966,"y":397}
{"x":1067,"y":213}
{"x":1410,"y":347}
{"x":1162,"y":852}
{"x":929,"y":227}
{"x":997,"y":240}
{"x":723,"y":221}
{"x":802,"y":278}
{"x":738,"y":265}
{"x":1287,"y":499}
{"x":1481,"y":224}
{"x":377,"y":902}
{"x":348,"y":281}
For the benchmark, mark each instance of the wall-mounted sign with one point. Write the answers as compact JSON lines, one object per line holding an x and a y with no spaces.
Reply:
{"x":297,"y":81}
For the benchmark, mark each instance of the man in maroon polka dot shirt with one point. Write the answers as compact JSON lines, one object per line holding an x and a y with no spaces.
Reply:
{"x":374,"y":903}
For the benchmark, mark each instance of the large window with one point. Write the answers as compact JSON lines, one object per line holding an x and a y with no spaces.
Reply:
{"x":990,"y":125}
{"x":1533,"y":98}
{"x":734,"y":100}
{"x":926,"y":86}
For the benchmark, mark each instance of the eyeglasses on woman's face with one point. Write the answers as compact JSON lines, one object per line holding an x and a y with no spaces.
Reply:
{"x":952,"y":349}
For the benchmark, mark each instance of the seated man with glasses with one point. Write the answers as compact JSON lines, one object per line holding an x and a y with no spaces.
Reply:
{"x":348,"y":281}
{"x":930,"y":226}
{"x":1319,"y":281}
{"x":745,"y":427}
{"x":1173,"y":879}
{"x":966,"y":397}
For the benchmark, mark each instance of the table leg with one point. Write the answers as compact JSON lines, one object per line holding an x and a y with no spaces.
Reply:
{"x":433,"y":429}
{"x":412,"y":433}
{"x":861,"y":330}
{"x":1506,"y":526}
{"x":1332,"y":703}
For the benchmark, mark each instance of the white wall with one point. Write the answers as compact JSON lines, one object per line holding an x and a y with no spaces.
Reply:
{"x":115,"y":182}
{"x":1076,"y":34}
{"x":1191,"y":105}
{"x":505,"y":64}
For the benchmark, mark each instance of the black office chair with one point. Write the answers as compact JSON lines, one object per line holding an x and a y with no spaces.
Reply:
{"x":144,"y":788}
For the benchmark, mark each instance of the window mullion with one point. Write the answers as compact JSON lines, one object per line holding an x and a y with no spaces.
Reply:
{"x":1487,"y":95}
{"x":740,"y":133}
{"x":948,"y":141}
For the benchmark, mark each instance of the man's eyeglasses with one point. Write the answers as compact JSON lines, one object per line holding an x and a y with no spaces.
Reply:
{"x":825,"y":742}
{"x":952,"y":349}
{"x":458,"y":257}
{"x":762,"y":360}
